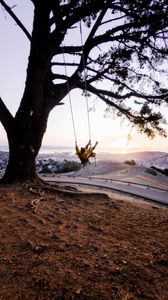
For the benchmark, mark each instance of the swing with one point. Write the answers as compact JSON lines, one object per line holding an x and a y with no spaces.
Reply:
{"x":84,"y":153}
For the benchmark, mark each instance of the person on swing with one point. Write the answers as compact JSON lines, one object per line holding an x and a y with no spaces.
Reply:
{"x":85,"y":153}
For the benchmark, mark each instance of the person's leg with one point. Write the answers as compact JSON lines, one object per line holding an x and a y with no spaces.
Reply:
{"x":92,"y":154}
{"x":88,"y":144}
{"x":94,"y":146}
{"x":85,"y":162}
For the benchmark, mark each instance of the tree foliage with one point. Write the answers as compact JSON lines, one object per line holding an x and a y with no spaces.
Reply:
{"x":119,"y":56}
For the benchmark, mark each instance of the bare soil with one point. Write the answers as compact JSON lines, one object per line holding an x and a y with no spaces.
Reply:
{"x":81,"y":245}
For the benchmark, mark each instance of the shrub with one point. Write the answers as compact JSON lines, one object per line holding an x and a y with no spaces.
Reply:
{"x":162,"y":171}
{"x":130,"y":162}
{"x":45,"y":169}
{"x":69,"y":166}
{"x":151,"y":171}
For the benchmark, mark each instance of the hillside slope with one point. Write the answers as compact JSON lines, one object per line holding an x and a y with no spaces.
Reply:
{"x":85,"y":245}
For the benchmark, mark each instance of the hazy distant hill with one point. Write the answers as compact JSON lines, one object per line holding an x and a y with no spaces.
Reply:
{"x":147,"y":158}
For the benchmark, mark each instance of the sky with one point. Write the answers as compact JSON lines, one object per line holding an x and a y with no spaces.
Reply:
{"x":110,"y":133}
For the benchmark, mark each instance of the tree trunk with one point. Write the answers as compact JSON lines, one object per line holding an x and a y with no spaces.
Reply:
{"x":25,"y":131}
{"x":24,"y":143}
{"x":21,"y":166}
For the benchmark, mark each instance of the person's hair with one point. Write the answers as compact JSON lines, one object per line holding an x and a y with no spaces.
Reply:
{"x":82,"y":149}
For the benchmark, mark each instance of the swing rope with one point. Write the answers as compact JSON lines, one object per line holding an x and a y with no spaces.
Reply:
{"x":69,"y":96}
{"x":86,"y":96}
{"x":85,"y":86}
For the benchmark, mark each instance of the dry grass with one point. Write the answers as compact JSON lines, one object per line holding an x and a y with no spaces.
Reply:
{"x":72,"y":245}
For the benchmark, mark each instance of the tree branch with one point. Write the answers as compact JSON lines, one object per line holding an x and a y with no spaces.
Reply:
{"x":82,"y":11}
{"x":147,"y":123}
{"x":5,"y":117}
{"x":150,"y":98}
{"x":100,"y":95}
{"x":59,"y":76}
{"x":86,"y":48}
{"x":63,"y":64}
{"x":15,"y":18}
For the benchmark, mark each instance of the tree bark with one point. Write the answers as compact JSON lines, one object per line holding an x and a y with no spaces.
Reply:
{"x":26,"y":130}
{"x":21,"y":166}
{"x":25,"y":138}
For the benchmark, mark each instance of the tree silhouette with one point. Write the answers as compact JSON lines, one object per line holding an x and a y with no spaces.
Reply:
{"x":118,"y":58}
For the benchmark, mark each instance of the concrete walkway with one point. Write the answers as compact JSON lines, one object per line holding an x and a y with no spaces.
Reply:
{"x":149,"y":193}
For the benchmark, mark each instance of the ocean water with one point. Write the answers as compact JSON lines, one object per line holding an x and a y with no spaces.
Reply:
{"x":145,"y":158}
{"x":45,"y":150}
{"x":61,"y":149}
{"x":71,"y":150}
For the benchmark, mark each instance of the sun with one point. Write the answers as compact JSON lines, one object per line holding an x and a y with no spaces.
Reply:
{"x":123,"y":151}
{"x":120,"y":146}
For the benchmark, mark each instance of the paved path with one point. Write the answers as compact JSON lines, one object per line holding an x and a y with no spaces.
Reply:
{"x":150,"y":193}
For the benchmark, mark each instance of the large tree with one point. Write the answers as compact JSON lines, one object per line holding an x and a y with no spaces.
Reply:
{"x":121,"y":52}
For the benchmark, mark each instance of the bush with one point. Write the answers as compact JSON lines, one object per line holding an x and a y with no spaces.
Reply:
{"x":69,"y":166}
{"x":130,"y":162}
{"x":45,"y":169}
{"x":151,"y":171}
{"x":162,"y":171}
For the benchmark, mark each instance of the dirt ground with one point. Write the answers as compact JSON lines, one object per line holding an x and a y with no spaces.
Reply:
{"x":83,"y":245}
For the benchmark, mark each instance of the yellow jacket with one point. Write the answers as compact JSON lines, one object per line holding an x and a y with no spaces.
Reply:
{"x":86,"y":154}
